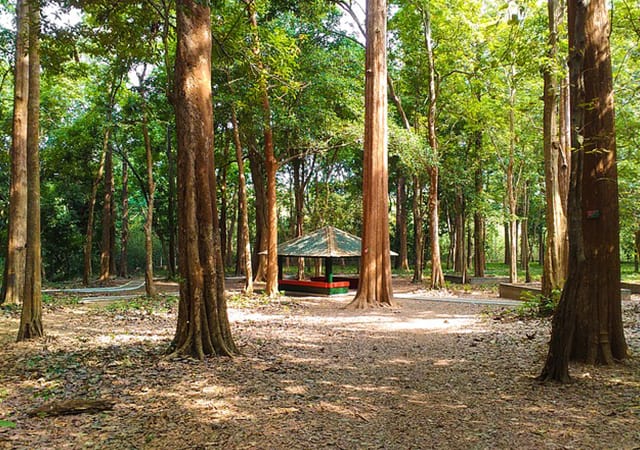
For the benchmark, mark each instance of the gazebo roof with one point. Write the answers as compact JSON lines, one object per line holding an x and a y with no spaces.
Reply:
{"x":327,"y":242}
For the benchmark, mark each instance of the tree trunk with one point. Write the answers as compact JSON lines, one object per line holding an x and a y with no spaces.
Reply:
{"x":13,"y":283}
{"x":88,"y":244}
{"x":512,"y":204}
{"x":637,"y":249}
{"x":525,"y":235}
{"x":418,"y":231}
{"x":259,"y":260}
{"x":124,"y":232}
{"x":31,"y":317}
{"x":150,"y":288}
{"x":460,"y":259}
{"x":298,"y":195}
{"x":244,"y":242}
{"x":437,"y":275}
{"x":375,"y":288}
{"x":203,"y":325}
{"x":107,"y":218}
{"x":587,"y":325}
{"x":223,"y":198}
{"x":556,"y":247}
{"x":271,"y":164}
{"x":402,"y":261}
{"x":479,"y":256}
{"x":171,"y":194}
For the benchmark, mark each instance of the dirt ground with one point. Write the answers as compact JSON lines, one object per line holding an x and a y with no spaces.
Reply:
{"x":429,"y":374}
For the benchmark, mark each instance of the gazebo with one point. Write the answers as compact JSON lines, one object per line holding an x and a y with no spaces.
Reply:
{"x":328,"y":243}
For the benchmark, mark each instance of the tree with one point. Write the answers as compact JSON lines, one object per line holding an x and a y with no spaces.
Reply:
{"x":203,"y":325}
{"x":587,"y":325}
{"x":31,"y":317}
{"x":375,"y":286}
{"x":556,"y":161}
{"x":13,"y":280}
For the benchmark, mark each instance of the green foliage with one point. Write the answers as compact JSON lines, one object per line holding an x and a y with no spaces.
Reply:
{"x":535,"y":305}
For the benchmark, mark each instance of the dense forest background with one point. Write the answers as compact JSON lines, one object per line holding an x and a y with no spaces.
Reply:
{"x":107,"y":94}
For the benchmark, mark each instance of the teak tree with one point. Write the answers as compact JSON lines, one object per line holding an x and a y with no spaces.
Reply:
{"x":13,"y":282}
{"x":203,"y":325}
{"x":31,"y":317}
{"x":587,"y":325}
{"x":375,"y":287}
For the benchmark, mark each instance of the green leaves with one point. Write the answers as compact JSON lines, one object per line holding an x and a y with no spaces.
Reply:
{"x":7,"y":424}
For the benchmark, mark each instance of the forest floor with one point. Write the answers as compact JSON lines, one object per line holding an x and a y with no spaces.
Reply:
{"x":428,"y":374}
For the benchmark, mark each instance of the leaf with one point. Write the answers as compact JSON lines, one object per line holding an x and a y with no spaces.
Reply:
{"x":7,"y":424}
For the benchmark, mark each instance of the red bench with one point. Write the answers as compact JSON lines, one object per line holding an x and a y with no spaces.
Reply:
{"x":314,"y":287}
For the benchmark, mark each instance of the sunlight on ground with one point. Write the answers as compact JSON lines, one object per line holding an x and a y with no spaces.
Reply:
{"x":373,"y":322}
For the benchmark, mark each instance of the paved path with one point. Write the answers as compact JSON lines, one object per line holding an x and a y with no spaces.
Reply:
{"x":475,"y":301}
{"x":130,"y":286}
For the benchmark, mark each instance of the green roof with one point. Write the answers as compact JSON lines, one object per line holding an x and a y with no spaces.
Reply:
{"x":327,"y":242}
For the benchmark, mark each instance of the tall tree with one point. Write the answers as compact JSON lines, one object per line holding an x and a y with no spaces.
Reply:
{"x":151,"y":189}
{"x":437,"y":275}
{"x":271,"y":164}
{"x":31,"y":317}
{"x":375,"y":286}
{"x":556,"y":160}
{"x":13,"y":281}
{"x":587,"y":325}
{"x":203,"y":324}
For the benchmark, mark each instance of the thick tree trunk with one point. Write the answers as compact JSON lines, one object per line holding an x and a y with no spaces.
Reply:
{"x":203,"y":325}
{"x":375,"y":288}
{"x":588,"y":323}
{"x":123,"y":270}
{"x":31,"y":317}
{"x":402,"y":261}
{"x":244,"y":242}
{"x":13,"y":282}
{"x":556,"y":247}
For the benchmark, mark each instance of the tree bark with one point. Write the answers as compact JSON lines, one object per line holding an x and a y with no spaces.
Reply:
{"x":588,"y":323}
{"x":203,"y":325}
{"x":107,"y":216}
{"x":13,"y":282}
{"x":171,"y":194}
{"x":418,"y":231}
{"x":271,"y":164}
{"x":512,"y":204}
{"x":150,"y":288}
{"x":479,"y":255}
{"x":123,"y":270}
{"x":244,"y":242}
{"x":259,"y":260}
{"x":375,"y":288}
{"x":437,"y":275}
{"x":556,"y":246}
{"x":402,"y":261}
{"x":524,"y":238}
{"x":223,"y":199}
{"x":31,"y":317}
{"x":460,"y":260}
